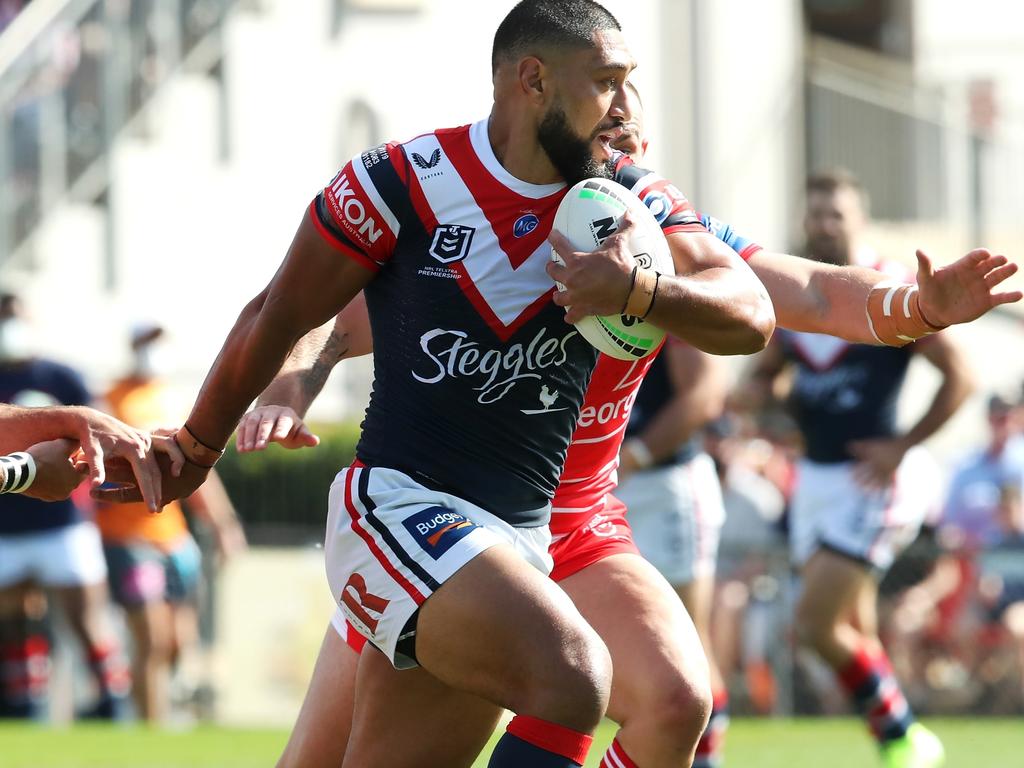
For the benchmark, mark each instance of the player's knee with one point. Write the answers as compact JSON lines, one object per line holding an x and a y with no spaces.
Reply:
{"x":680,"y":706}
{"x":580,"y":697}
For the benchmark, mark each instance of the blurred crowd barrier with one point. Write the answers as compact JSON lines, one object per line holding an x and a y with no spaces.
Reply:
{"x":69,"y":87}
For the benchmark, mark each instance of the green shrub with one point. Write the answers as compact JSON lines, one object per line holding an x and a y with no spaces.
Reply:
{"x":281,"y":495}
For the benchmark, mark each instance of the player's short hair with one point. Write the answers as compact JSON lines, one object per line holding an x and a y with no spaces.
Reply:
{"x":830,"y":181}
{"x":536,"y":23}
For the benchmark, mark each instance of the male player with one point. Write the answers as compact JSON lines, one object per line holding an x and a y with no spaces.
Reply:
{"x":864,"y":487}
{"x":458,"y":460}
{"x":618,"y":594}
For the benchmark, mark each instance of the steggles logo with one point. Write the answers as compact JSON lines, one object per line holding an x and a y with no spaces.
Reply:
{"x":453,"y":355}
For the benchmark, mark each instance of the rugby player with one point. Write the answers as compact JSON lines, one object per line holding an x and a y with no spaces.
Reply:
{"x":453,"y":485}
{"x":595,"y":559}
{"x":864,"y":487}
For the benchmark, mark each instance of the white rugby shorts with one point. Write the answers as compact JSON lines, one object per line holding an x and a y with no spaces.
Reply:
{"x":69,"y":556}
{"x":676,"y":514}
{"x":392,"y":542}
{"x":831,"y":510}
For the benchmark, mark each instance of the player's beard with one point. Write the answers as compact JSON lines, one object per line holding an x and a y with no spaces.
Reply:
{"x":829,"y":250}
{"x":571,"y":154}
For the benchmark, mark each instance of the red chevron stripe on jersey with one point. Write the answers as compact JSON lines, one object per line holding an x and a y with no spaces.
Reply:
{"x":492,"y":197}
{"x":476,"y":191}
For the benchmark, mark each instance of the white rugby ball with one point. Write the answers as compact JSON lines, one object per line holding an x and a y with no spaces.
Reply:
{"x":589,"y":213}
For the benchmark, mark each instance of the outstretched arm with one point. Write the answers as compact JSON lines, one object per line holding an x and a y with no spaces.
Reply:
{"x":823,"y":298}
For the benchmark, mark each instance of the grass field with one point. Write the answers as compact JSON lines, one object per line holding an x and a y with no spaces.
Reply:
{"x":751,"y":744}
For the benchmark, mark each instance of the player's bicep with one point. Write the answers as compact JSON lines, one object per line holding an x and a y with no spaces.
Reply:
{"x":694,"y":252}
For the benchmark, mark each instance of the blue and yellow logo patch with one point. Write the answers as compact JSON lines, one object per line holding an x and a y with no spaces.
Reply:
{"x":436,"y":529}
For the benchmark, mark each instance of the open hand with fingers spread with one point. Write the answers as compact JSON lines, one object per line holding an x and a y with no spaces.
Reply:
{"x":280,"y":424}
{"x":964,"y":290}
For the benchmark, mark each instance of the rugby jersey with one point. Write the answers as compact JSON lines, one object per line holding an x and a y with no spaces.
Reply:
{"x":478,"y":380}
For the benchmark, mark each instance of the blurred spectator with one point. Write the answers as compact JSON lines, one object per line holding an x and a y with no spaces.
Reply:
{"x":747,"y":612}
{"x":50,"y":545}
{"x":154,"y":562}
{"x":1001,"y":583}
{"x":970,"y":519}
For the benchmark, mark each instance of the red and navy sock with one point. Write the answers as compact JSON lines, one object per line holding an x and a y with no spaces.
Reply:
{"x":24,"y":668}
{"x":870,"y":681}
{"x":711,"y":746}
{"x":529,"y":741}
{"x":616,"y":757}
{"x":113,"y":681}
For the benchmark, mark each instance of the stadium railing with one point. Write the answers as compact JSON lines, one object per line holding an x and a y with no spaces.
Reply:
{"x":73,"y":75}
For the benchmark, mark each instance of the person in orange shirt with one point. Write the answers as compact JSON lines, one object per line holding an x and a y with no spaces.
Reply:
{"x":153,"y":561}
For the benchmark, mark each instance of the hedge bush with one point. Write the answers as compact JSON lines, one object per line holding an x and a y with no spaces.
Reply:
{"x":283,"y":493}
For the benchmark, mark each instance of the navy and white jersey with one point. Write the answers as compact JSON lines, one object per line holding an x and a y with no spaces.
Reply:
{"x":842,"y":391}
{"x":37,"y":383}
{"x":478,"y":380}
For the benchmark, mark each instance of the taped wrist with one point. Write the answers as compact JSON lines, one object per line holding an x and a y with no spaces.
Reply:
{"x":894,"y":314}
{"x":19,"y":472}
{"x":641,"y":297}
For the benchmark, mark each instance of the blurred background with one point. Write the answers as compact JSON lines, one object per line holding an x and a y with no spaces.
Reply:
{"x":156,"y":157}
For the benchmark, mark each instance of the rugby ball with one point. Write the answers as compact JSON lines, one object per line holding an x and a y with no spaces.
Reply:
{"x":591,"y":212}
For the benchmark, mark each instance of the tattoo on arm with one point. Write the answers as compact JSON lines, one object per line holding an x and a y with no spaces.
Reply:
{"x":333,"y":352}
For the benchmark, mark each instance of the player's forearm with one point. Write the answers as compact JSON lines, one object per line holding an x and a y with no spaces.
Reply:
{"x":673,"y":426}
{"x":253,"y":353}
{"x":314,"y":356}
{"x":720,"y":310}
{"x":818,"y":298}
{"x":304,"y":372}
{"x":22,"y":427}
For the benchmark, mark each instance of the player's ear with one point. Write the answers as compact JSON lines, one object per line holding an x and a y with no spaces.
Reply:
{"x":532,"y":74}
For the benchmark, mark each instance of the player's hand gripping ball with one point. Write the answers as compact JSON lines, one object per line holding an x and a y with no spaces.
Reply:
{"x":589,"y":213}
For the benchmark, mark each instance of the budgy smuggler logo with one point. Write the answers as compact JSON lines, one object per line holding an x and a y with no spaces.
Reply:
{"x":437,"y":529}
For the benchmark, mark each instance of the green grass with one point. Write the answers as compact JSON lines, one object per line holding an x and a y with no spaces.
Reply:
{"x":751,"y":744}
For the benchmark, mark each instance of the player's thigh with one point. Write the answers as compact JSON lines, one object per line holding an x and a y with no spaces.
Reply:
{"x":501,"y":630}
{"x":321,"y":731}
{"x":409,"y":719}
{"x":657,"y":657}
{"x":831,"y":588}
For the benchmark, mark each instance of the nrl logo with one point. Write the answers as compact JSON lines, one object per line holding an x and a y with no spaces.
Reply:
{"x":435,"y":158}
{"x":451,"y":242}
